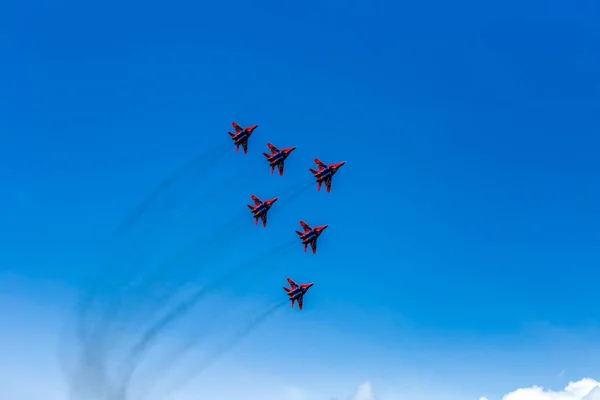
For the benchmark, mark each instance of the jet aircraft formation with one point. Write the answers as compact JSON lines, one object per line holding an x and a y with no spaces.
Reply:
{"x":260,"y":209}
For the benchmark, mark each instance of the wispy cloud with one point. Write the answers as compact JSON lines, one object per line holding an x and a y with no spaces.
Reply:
{"x":364,"y":392}
{"x":585,"y":389}
{"x":293,"y":393}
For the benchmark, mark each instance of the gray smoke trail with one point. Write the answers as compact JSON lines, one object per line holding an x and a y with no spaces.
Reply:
{"x":202,"y":162}
{"x":224,"y":348}
{"x":150,"y":336}
{"x":211,"y":248}
{"x":212,"y":192}
{"x":215,"y":191}
{"x":101,"y":338}
{"x":215,"y":238}
{"x":298,"y":187}
{"x":157,"y":274}
{"x":89,"y":336}
{"x":90,"y":382}
{"x":294,"y":193}
{"x":166,"y":364}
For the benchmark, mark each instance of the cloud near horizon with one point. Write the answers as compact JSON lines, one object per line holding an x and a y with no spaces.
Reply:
{"x":584,"y":389}
{"x":364,"y":392}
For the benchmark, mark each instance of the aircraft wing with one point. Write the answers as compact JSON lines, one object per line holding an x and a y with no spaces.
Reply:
{"x":237,"y":128}
{"x":245,"y":146}
{"x":256,"y":200}
{"x":293,"y":284}
{"x":272,"y":148}
{"x":280,"y":165}
{"x":313,"y":245}
{"x":305,"y":226}
{"x":300,"y":302}
{"x":328,"y":184}
{"x":320,"y":163}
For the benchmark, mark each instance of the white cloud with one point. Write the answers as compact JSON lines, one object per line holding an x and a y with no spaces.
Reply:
{"x":365,"y":392}
{"x":585,"y":389}
{"x":293,"y":393}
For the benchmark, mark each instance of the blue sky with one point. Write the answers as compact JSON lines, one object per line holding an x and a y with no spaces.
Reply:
{"x":463,"y":238}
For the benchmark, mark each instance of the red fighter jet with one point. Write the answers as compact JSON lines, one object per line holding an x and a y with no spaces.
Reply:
{"x":297,"y":292}
{"x":241,"y":136}
{"x":325,"y":173}
{"x":277,"y":157}
{"x":261,"y":208}
{"x":310,"y":235}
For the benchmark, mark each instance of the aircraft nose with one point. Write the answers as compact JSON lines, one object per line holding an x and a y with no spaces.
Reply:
{"x":275,"y":199}
{"x":292,"y":148}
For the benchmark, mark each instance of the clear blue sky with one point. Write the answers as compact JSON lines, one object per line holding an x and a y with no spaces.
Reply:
{"x":464,"y":228}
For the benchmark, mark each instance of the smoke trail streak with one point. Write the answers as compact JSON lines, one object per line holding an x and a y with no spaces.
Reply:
{"x":91,"y":380}
{"x":224,"y":348}
{"x":207,"y":158}
{"x":105,"y":325}
{"x":93,"y":334}
{"x":192,"y":300}
{"x":215,"y":190}
{"x":201,"y":200}
{"x":170,"y":358}
{"x":199,"y":162}
{"x":150,"y":336}
{"x":161,"y":301}
{"x":294,"y":195}
{"x":155,"y":274}
{"x":88,"y":336}
{"x":177,"y":354}
{"x":218,"y":239}
{"x":293,"y":192}
{"x":293,"y":188}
